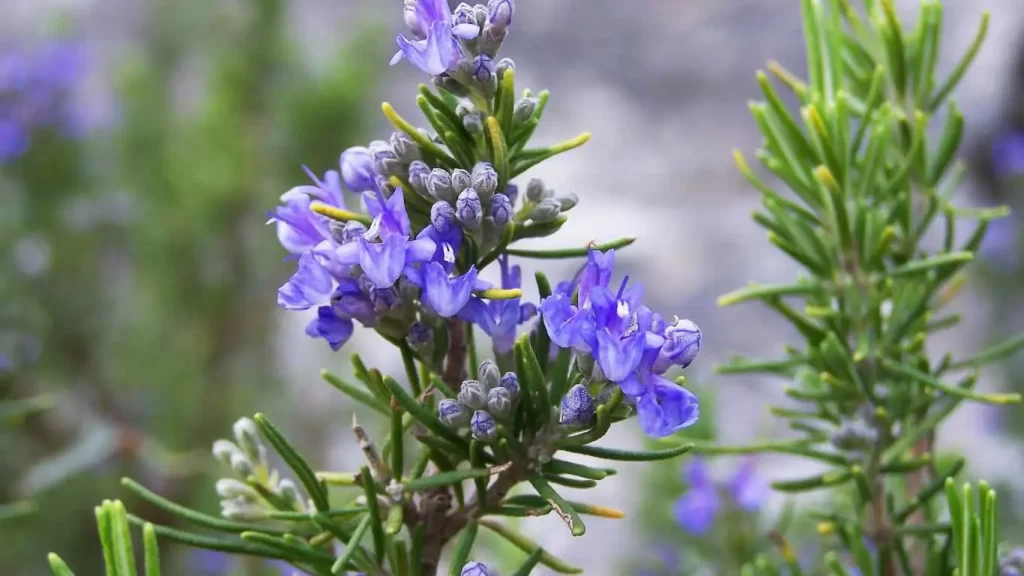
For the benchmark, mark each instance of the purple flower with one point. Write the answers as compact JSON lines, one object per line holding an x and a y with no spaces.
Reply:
{"x":748,"y":489}
{"x":1002,"y":243}
{"x":331,"y":327}
{"x":1008,"y":155}
{"x":500,"y":318}
{"x":695,"y":511}
{"x":630,"y":343}
{"x":475,"y":569}
{"x":435,"y":45}
{"x":357,"y":169}
{"x":447,"y":296}
{"x":13,"y":139}
{"x":310,"y":286}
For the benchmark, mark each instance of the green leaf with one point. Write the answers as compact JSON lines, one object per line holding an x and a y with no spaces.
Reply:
{"x":561,"y":253}
{"x":535,"y":374}
{"x":932,"y":382}
{"x":530,"y":563}
{"x":530,"y":547}
{"x":421,"y":413}
{"x":151,"y":550}
{"x":442,"y":479}
{"x":526,"y":159}
{"x":1002,"y":350}
{"x":562,"y":507}
{"x":931,"y":263}
{"x":499,"y":151}
{"x":105,"y":525}
{"x":58,"y":567}
{"x":297,"y":463}
{"x":928,"y":492}
{"x":631,"y":455}
{"x":425,"y":143}
{"x":192,"y":515}
{"x":397,"y":444}
{"x":759,"y":291}
{"x":373,"y":512}
{"x":233,"y":546}
{"x":395,"y":517}
{"x":556,"y":466}
{"x":462,"y":549}
{"x":961,"y":68}
{"x":826,"y":480}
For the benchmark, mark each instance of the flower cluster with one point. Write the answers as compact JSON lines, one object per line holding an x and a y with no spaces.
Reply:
{"x":630,"y":346}
{"x":33,"y":89}
{"x":482,"y":404}
{"x":696,"y":510}
{"x":246,"y":496}
{"x":458,"y":48}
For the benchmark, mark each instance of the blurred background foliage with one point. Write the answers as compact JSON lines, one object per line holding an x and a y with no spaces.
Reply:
{"x":138,"y":280}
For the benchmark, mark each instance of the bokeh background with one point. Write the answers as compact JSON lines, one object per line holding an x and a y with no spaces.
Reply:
{"x":137,"y":278}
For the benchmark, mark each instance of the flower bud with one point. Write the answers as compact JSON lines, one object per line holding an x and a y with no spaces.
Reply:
{"x":412,"y":19}
{"x":682,"y":342}
{"x":546,"y":210}
{"x":461,"y":180}
{"x":475,"y":569}
{"x":501,"y":209}
{"x":500,"y":12}
{"x":524,"y":110}
{"x":241,"y":465}
{"x":536,"y":191}
{"x":484,"y":180}
{"x":229,"y":489}
{"x":473,"y":123}
{"x":499,"y":402}
{"x":224,"y":450}
{"x":567,"y":202}
{"x":481,"y":14}
{"x":287,"y":489}
{"x":453,"y":413}
{"x":490,"y":376}
{"x":577,"y":407}
{"x":510,"y":382}
{"x":385,"y":161}
{"x":384,"y":299}
{"x":480,"y":74}
{"x":465,"y":15}
{"x":357,"y":169}
{"x":468,"y":209}
{"x":473,"y":395}
{"x":504,"y":65}
{"x":442,"y":216}
{"x":490,"y":40}
{"x":512,"y":191}
{"x":242,"y":510}
{"x":483,"y":427}
{"x":420,"y":336}
{"x":418,"y":174}
{"x":247,"y":436}
{"x":439,"y":183}
{"x":405,"y":149}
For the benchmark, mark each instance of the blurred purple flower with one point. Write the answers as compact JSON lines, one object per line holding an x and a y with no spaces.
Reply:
{"x":35,"y":86}
{"x":1002,"y":243}
{"x":695,"y":511}
{"x":748,"y":489}
{"x":1008,"y":155}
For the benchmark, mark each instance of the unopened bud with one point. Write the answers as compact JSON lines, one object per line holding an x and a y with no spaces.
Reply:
{"x":473,"y":395}
{"x":567,"y":202}
{"x":536,"y":191}
{"x":468,"y":209}
{"x":247,"y":436}
{"x":224,"y":450}
{"x":442,"y":216}
{"x":504,"y":65}
{"x":480,"y":73}
{"x":524,"y":110}
{"x":242,"y":466}
{"x":242,"y":510}
{"x":490,"y":376}
{"x":510,"y":382}
{"x":491,"y":39}
{"x":546,"y":210}
{"x":499,"y":402}
{"x":385,"y":161}
{"x":474,"y":569}
{"x":577,"y":407}
{"x":229,"y":488}
{"x":501,"y":209}
{"x":512,"y":191}
{"x":484,"y":180}
{"x":461,"y":180}
{"x":483,"y":427}
{"x":418,"y":174}
{"x":287,"y":489}
{"x":439,"y":183}
{"x":682,"y":343}
{"x":420,"y":337}
{"x":404,"y":147}
{"x":500,"y":12}
{"x":453,"y":413}
{"x":464,"y":23}
{"x":445,"y":82}
{"x":474,"y":123}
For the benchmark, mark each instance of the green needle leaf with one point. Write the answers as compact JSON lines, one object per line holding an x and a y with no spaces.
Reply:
{"x":373,"y":511}
{"x":296,"y":462}
{"x":354,"y":392}
{"x":961,"y":68}
{"x":931,"y":382}
{"x":562,"y":507}
{"x":352,"y":545}
{"x":442,"y":479}
{"x":560,"y":253}
{"x":1004,"y":349}
{"x":58,"y":567}
{"x":631,"y":455}
{"x":151,"y":550}
{"x":465,"y":545}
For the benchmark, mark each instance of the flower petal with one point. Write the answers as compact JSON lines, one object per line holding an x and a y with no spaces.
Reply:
{"x":619,"y":356}
{"x":309,"y":286}
{"x":562,"y":320}
{"x":330,"y":327}
{"x":447,"y":296}
{"x":383,"y":262}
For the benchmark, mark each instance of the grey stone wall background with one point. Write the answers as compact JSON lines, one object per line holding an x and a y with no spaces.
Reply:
{"x":663,"y":87}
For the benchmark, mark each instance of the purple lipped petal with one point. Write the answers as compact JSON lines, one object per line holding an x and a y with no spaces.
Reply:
{"x":383,"y":262}
{"x":357,"y":169}
{"x":748,"y":488}
{"x":309,"y":286}
{"x":330,"y":327}
{"x":666,"y":408}
{"x":447,"y":296}
{"x":420,"y":250}
{"x":597,"y":272}
{"x":562,"y":320}
{"x":619,"y":356}
{"x":466,"y":31}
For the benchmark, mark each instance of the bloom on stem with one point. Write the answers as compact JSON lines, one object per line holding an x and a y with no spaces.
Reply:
{"x":697,"y":509}
{"x":445,"y":295}
{"x":435,"y":45}
{"x":500,"y":318}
